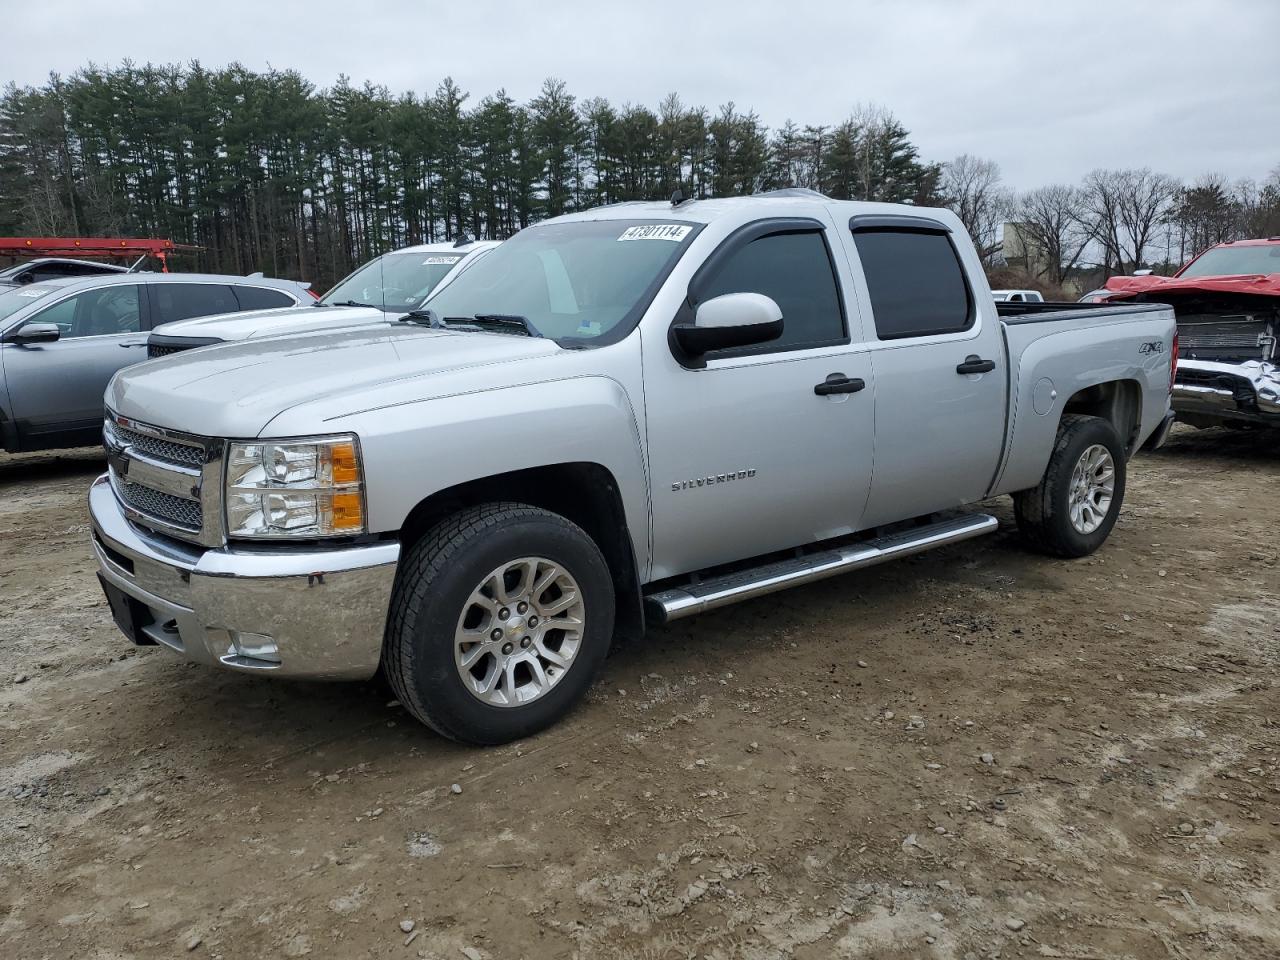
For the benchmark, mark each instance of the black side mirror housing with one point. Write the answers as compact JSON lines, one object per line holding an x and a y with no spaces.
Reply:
{"x":730,"y":320}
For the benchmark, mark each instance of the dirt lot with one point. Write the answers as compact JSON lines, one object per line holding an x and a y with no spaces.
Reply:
{"x":802,"y":776}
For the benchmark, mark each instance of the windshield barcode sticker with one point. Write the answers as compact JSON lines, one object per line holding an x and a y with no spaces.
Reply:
{"x":657,"y":231}
{"x":433,"y":260}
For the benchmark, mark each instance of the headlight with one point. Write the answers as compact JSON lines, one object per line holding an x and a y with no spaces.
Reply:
{"x":295,"y":488}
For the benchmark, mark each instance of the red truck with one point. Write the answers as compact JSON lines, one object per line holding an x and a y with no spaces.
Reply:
{"x":1227,"y":304}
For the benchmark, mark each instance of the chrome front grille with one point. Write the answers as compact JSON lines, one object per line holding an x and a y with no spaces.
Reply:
{"x":159,"y":447}
{"x":175,"y":510}
{"x":167,"y":481}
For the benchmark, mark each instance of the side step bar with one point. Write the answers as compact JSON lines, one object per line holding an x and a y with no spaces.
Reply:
{"x":714,"y":592}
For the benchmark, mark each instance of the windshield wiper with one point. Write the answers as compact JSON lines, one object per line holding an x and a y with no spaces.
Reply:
{"x":509,"y":320}
{"x":422,"y":315}
{"x":353,"y":303}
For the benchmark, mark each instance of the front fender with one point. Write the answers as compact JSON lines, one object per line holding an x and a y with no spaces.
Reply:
{"x":416,"y":449}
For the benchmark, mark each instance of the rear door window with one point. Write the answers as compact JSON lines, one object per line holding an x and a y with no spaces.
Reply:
{"x":795,"y":270}
{"x":262,"y":298}
{"x":181,"y":301}
{"x":915,"y":281}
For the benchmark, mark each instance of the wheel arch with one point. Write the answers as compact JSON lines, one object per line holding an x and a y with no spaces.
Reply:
{"x":1117,"y":401}
{"x":583,"y":492}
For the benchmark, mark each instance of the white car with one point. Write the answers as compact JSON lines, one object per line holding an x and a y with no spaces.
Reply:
{"x":388,"y":287}
{"x":1017,"y":296}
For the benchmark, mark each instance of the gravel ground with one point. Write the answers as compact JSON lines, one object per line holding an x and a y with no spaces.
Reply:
{"x":978,"y":752}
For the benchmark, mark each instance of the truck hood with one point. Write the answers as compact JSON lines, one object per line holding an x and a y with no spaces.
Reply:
{"x":1264,"y":285}
{"x":247,"y":324}
{"x":236,"y":389}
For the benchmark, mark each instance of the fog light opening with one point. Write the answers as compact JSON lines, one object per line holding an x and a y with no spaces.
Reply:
{"x":255,"y":646}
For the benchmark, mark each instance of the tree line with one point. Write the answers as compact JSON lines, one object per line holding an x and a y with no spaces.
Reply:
{"x":1112,"y":222}
{"x":265,"y":171}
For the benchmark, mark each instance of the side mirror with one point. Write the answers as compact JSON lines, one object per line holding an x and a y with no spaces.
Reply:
{"x":35,"y":333}
{"x":731,"y":320}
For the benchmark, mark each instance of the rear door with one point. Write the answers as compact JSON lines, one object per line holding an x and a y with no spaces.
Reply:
{"x":939,"y":368}
{"x":745,"y":457}
{"x":56,"y":388}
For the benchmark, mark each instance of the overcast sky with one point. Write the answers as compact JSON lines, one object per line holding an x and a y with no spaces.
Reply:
{"x":1050,"y":90}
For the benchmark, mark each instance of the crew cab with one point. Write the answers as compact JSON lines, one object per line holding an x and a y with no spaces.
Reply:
{"x":635,"y":413}
{"x":387,"y":286}
{"x":1227,"y":303}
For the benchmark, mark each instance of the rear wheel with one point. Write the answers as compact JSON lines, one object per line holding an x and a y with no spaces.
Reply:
{"x":500,"y":618}
{"x":1072,"y":511}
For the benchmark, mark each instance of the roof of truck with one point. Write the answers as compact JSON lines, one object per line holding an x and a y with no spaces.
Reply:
{"x":778,"y":202}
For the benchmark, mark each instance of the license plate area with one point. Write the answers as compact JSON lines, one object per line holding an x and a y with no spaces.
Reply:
{"x":131,"y":616}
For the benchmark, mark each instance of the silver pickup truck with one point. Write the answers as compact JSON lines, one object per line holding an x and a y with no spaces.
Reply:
{"x":643,"y":411}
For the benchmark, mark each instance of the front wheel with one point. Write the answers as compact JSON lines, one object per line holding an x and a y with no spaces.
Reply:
{"x":500,"y":617}
{"x":1072,"y":511}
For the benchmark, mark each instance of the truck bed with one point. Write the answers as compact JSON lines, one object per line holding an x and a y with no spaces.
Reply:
{"x":1012,"y":313}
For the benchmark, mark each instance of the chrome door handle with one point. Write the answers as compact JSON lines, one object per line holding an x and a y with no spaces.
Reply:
{"x":839,"y":383}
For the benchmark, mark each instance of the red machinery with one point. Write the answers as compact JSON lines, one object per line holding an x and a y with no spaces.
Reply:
{"x":92,"y":247}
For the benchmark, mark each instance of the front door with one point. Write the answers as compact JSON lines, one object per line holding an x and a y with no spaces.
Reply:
{"x":56,"y":388}
{"x":745,"y":458}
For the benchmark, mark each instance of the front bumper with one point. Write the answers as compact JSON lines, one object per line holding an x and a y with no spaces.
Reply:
{"x":291,"y":612}
{"x":1206,"y":390}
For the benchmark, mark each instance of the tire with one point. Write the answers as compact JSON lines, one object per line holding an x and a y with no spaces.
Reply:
{"x":1044,"y":513}
{"x":448,"y":586}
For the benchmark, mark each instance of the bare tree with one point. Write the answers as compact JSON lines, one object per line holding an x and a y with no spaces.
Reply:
{"x":1125,"y":209}
{"x":1051,"y":222}
{"x":972,"y":189}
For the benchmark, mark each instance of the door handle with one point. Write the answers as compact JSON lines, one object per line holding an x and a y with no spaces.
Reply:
{"x":839,"y":383}
{"x":132,"y":343}
{"x":975,"y":364}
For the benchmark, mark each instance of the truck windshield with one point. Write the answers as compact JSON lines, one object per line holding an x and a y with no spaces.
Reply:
{"x":13,"y":299}
{"x":397,"y":281}
{"x":1235,"y":261}
{"x":577,"y":283}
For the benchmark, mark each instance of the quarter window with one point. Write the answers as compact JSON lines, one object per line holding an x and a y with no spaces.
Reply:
{"x":96,"y":313}
{"x":261,"y":298}
{"x":179,"y":301}
{"x":916,"y":284}
{"x":795,"y":270}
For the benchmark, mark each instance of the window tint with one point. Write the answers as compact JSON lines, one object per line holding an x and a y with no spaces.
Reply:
{"x":95,"y":313}
{"x":795,"y":270}
{"x":260,"y":298}
{"x":915,"y":282}
{"x":179,"y":301}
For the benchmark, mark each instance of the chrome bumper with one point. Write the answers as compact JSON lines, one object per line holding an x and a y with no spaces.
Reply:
{"x":306,"y":613}
{"x":1228,"y":391}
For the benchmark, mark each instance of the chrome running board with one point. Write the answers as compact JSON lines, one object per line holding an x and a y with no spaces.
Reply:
{"x":714,"y":592}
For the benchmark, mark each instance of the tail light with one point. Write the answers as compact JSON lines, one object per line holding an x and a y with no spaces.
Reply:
{"x":1173,"y":361}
